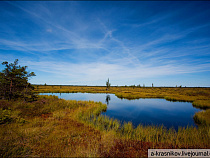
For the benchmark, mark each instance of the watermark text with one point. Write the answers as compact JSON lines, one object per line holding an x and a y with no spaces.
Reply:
{"x":178,"y":153}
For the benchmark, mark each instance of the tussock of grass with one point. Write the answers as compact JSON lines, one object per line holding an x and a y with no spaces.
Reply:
{"x":204,"y":104}
{"x":203,"y":118}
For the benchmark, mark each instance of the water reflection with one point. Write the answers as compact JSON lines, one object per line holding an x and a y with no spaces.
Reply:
{"x":141,"y":111}
{"x":108,"y":98}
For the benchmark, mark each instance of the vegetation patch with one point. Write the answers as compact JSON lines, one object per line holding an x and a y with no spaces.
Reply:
{"x":72,"y":128}
{"x":203,"y":118}
{"x":203,"y":104}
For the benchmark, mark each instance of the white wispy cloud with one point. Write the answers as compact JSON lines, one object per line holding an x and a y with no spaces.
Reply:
{"x":84,"y":73}
{"x":88,"y":50}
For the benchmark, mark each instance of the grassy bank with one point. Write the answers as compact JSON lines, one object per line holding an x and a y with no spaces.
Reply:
{"x":57,"y":127}
{"x":203,"y":118}
{"x":200,"y":97}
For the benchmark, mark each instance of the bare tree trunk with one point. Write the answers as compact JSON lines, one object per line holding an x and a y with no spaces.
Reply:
{"x":10,"y":90}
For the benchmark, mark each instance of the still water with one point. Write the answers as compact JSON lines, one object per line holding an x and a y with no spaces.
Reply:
{"x":140,"y":111}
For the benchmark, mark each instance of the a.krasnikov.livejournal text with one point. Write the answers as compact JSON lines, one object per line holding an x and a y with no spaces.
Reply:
{"x":152,"y":153}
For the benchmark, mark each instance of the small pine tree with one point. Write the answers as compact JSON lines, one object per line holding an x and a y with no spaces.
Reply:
{"x":14,"y":82}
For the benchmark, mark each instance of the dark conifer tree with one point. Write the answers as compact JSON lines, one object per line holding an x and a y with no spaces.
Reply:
{"x":14,"y":82}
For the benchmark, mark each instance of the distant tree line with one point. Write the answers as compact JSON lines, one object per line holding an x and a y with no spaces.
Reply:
{"x":133,"y":86}
{"x":14,"y":82}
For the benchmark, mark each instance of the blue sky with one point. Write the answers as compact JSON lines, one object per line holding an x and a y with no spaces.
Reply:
{"x":85,"y":43}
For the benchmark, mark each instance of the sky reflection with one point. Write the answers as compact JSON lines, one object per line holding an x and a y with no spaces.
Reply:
{"x":141,"y":111}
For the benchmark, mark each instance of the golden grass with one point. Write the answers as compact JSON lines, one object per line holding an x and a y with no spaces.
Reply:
{"x":48,"y":130}
{"x":203,"y":118}
{"x":200,"y":97}
{"x":55,"y":127}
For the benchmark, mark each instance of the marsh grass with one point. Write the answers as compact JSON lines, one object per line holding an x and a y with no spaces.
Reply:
{"x":53,"y":127}
{"x":183,"y":138}
{"x":48,"y":130}
{"x":199,"y":97}
{"x":203,"y":118}
{"x":203,"y":104}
